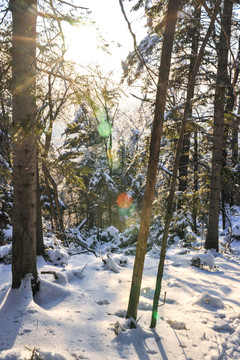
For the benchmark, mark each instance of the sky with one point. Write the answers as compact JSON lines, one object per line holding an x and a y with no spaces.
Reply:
{"x":82,"y":40}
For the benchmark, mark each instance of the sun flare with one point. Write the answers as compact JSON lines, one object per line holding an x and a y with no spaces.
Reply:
{"x":82,"y":43}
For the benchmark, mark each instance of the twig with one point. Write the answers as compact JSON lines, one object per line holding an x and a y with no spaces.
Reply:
{"x":50,"y":273}
{"x":80,"y":242}
{"x":72,"y":5}
{"x":164,"y":299}
{"x":138,"y":52}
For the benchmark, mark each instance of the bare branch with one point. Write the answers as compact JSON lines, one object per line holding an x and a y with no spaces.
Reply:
{"x":138,"y":52}
{"x":72,"y":5}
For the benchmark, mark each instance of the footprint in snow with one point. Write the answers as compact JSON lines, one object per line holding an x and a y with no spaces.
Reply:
{"x":152,"y":352}
{"x":103,"y":302}
{"x":224,"y":328}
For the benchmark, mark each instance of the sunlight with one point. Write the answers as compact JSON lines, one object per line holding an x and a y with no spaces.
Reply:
{"x":81,"y":42}
{"x":105,"y":40}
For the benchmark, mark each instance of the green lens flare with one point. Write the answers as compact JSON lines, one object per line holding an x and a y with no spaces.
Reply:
{"x":104,"y":129}
{"x":126,"y":211}
{"x":155,"y":315}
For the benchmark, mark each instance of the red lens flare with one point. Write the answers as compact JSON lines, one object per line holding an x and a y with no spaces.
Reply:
{"x":124,"y":201}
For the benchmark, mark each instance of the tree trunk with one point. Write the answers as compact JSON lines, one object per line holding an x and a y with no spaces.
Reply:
{"x":169,"y":210}
{"x":54,"y":221}
{"x":173,"y":6}
{"x":195,"y":181}
{"x":39,"y":229}
{"x":218,"y":129}
{"x":24,"y":145}
{"x":229,"y":125}
{"x":235,"y":196}
{"x":184,"y":159}
{"x":55,"y":210}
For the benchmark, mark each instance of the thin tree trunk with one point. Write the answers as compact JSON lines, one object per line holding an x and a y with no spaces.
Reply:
{"x":218,"y":129}
{"x":184,"y":159}
{"x":173,"y":6}
{"x":168,"y":215}
{"x":90,"y":210}
{"x":40,"y":246}
{"x":56,"y":210}
{"x":195,"y":180}
{"x":235,"y":196}
{"x":54,"y":220}
{"x":24,"y":143}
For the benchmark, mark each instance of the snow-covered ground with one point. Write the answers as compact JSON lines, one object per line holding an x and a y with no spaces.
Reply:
{"x":79,"y":311}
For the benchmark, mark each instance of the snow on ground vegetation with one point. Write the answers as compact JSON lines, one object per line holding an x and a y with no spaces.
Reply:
{"x":79,"y":312}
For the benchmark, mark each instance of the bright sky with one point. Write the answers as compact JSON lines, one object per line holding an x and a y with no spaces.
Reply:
{"x":84,"y":41}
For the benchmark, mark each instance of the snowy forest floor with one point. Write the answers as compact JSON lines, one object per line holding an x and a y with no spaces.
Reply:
{"x":77,"y":314}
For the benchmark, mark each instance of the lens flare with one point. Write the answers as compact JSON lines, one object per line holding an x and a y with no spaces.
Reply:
{"x":124,"y":201}
{"x":155,"y":315}
{"x":126,"y":212}
{"x":104,"y":128}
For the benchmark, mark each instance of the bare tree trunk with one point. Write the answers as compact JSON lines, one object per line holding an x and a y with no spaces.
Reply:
{"x":55,"y":210}
{"x":90,"y":210}
{"x":54,"y":221}
{"x":229,"y":125}
{"x":173,"y":6}
{"x":195,"y":180}
{"x":40,"y":246}
{"x":168,"y":215}
{"x":184,"y":159}
{"x":24,"y":145}
{"x":218,"y":129}
{"x":235,"y":195}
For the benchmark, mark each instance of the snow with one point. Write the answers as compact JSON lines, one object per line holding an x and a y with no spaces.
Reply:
{"x":5,"y":250}
{"x":206,"y":259}
{"x":79,"y":312}
{"x":110,"y":264}
{"x":7,"y":233}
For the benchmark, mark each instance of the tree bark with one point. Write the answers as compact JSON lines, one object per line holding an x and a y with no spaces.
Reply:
{"x":184,"y":159}
{"x":24,"y":16}
{"x":229,"y":125}
{"x":195,"y":181}
{"x":218,"y":128}
{"x":54,"y":210}
{"x":39,"y":229}
{"x":164,"y":70}
{"x":171,"y":195}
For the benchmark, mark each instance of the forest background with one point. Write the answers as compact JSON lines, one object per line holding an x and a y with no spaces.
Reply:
{"x":164,"y":172}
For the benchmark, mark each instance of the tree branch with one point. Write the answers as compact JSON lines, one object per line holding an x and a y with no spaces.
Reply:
{"x":137,"y":51}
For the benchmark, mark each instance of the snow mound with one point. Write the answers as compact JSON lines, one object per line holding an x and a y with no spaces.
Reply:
{"x":58,"y":256}
{"x":112,"y":231}
{"x":50,"y":294}
{"x":177,"y":325}
{"x":208,"y":299}
{"x":110,"y":264}
{"x":63,"y":277}
{"x":201,"y":260}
